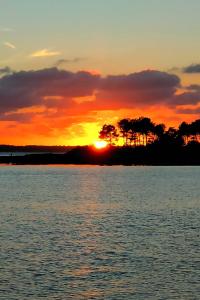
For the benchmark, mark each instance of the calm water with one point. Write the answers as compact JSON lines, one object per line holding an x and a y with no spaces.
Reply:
{"x":99,"y":233}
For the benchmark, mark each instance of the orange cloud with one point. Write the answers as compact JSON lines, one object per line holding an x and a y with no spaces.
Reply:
{"x":53,"y":106}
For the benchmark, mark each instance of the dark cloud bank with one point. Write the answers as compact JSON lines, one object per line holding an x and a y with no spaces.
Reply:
{"x":57,"y":88}
{"x":194,"y":68}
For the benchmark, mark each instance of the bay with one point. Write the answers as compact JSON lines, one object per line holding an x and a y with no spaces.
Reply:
{"x":99,"y":232}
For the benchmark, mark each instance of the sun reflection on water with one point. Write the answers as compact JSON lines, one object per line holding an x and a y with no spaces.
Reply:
{"x":99,"y":232}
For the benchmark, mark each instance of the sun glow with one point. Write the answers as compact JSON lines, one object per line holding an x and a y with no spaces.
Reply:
{"x":100,"y":144}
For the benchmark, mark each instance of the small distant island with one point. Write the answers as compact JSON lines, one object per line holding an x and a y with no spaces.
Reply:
{"x":136,"y":141}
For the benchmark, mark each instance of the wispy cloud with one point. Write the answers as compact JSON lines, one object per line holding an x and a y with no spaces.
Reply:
{"x":45,"y":53}
{"x":64,"y":61}
{"x":9,"y":45}
{"x":6,"y":29}
{"x":5,"y":70}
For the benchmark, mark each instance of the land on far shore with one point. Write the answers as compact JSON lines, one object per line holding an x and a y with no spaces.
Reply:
{"x":34,"y":149}
{"x":155,"y":154}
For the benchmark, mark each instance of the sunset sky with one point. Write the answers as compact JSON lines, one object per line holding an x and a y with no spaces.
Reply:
{"x":67,"y":67}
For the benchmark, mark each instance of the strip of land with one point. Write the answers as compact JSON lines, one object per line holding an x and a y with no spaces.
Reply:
{"x":154,"y":154}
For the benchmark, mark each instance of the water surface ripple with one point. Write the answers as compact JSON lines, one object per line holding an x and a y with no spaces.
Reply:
{"x":80,"y":232}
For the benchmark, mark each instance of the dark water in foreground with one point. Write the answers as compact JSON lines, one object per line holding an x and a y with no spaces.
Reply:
{"x":99,"y":233}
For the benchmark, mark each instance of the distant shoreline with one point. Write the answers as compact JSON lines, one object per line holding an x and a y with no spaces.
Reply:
{"x":34,"y":149}
{"x":128,"y":156}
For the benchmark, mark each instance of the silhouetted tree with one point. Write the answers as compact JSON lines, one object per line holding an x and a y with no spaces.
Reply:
{"x":124,"y":127}
{"x":195,"y":130}
{"x":142,"y":131}
{"x":172,"y":132}
{"x":190,"y":132}
{"x":185,"y":131}
{"x":171,"y":137}
{"x":108,"y":133}
{"x":145,"y":128}
{"x":158,"y":131}
{"x":133,"y":132}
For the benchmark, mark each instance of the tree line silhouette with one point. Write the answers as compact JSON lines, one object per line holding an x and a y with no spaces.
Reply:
{"x":143,"y":143}
{"x":143,"y":131}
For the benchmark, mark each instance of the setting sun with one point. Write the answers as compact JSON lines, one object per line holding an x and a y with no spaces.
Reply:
{"x":100,"y":144}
